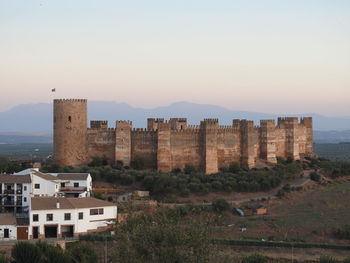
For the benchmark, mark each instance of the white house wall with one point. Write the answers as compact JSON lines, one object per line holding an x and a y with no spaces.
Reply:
{"x":88,"y":223}
{"x":12,"y":232}
{"x":47,"y":188}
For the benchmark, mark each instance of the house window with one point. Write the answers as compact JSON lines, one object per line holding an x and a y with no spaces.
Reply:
{"x":81,"y":215}
{"x":25,"y":188}
{"x":37,"y":186}
{"x":70,"y":118}
{"x":35,"y":217}
{"x":97,"y":211}
{"x":66,"y":216}
{"x":63,"y":184}
{"x":49,"y":217}
{"x":24,"y":199}
{"x":76,"y":184}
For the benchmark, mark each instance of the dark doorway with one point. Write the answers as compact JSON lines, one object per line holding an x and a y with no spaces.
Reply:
{"x":51,"y":231}
{"x":22,"y":233}
{"x":6,"y":233}
{"x":67,"y":231}
{"x":35,"y":232}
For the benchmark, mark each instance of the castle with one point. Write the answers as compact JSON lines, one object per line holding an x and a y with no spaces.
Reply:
{"x":166,"y":145}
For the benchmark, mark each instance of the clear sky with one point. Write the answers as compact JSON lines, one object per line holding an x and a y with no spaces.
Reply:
{"x":280,"y":56}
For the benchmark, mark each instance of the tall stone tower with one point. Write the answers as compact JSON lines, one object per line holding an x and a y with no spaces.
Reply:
{"x":69,"y":131}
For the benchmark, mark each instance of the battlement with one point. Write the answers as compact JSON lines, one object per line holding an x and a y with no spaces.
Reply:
{"x":287,"y":121}
{"x":211,"y":121}
{"x":98,"y":124}
{"x":139,"y":130}
{"x":69,"y":100}
{"x":156,"y":120}
{"x":124,"y":122}
{"x":267,"y":123}
{"x":306,"y":121}
{"x":179,"y":119}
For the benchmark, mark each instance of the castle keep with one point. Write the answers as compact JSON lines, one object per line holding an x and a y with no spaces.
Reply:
{"x":166,"y":145}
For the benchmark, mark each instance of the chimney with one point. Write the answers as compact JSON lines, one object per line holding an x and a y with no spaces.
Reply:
{"x":58,"y":205}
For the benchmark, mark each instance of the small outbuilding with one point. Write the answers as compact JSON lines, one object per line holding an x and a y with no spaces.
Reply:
{"x":259,"y":209}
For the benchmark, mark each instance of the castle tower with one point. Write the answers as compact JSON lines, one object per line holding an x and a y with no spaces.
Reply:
{"x":268,"y":141}
{"x":247,"y":144}
{"x":164,"y":163}
{"x":290,"y":125}
{"x":69,"y":131}
{"x":152,"y":123}
{"x":178,"y":123}
{"x":123,"y":142}
{"x":209,"y":132}
{"x":307,"y":122}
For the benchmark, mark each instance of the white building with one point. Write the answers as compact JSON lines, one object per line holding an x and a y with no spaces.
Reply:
{"x":8,"y":229}
{"x":52,"y":217}
{"x":74,"y":184}
{"x":57,"y":184}
{"x":41,"y":206}
{"x":15,"y":192}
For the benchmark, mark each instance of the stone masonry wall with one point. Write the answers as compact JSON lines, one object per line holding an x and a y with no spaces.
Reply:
{"x":166,"y":145}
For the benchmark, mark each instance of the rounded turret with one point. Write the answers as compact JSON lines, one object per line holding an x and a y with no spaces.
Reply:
{"x":69,"y":131}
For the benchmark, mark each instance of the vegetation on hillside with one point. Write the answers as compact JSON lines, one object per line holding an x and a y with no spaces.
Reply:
{"x":42,"y":252}
{"x":189,"y":180}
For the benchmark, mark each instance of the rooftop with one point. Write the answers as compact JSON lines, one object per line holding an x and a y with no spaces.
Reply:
{"x":48,"y":177}
{"x":73,"y":176}
{"x":7,"y":219}
{"x":49,"y":203}
{"x":13,"y":179}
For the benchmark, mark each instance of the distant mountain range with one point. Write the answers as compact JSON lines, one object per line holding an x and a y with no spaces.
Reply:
{"x":37,"y":118}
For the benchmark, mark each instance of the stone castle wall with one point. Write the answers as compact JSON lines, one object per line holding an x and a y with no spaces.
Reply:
{"x":166,"y":145}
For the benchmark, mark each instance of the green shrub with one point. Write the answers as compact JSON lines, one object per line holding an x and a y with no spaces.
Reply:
{"x":25,"y":252}
{"x":220,"y":205}
{"x":82,"y":253}
{"x":189,"y":169}
{"x":328,"y":259}
{"x":254,"y":258}
{"x":98,"y":161}
{"x":342,"y":233}
{"x":138,"y":163}
{"x":234,"y":168}
{"x":315,"y":177}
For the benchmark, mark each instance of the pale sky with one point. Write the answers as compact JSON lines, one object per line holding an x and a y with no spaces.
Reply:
{"x":281,"y":56}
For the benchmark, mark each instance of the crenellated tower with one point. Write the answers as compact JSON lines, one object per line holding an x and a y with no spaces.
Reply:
{"x":290,"y":125}
{"x":69,"y":131}
{"x":163,"y":147}
{"x":209,"y":130}
{"x":307,"y":122}
{"x":247,"y":144}
{"x":123,"y":142}
{"x":268,"y":141}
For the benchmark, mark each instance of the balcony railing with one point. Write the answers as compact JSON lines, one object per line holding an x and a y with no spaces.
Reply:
{"x":22,"y":215}
{"x":19,"y":191}
{"x":9,"y":192}
{"x":9,"y":203}
{"x":73,"y":189}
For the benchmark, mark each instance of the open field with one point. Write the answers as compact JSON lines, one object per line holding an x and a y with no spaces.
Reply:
{"x":26,"y":150}
{"x":333,"y":151}
{"x":304,"y":216}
